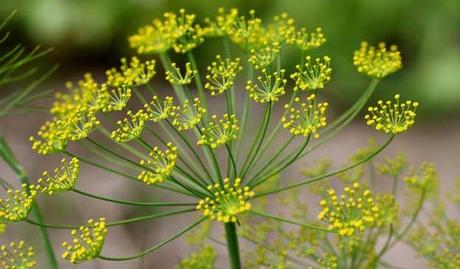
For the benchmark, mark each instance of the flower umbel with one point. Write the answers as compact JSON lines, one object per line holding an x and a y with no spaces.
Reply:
{"x":377,"y":62}
{"x":189,"y":116}
{"x":17,"y":205}
{"x":313,"y":74}
{"x":269,"y":88}
{"x":130,"y":128}
{"x":392,"y":118}
{"x":176,"y":78}
{"x":219,"y":131}
{"x":63,"y":179}
{"x":17,"y":256}
{"x":134,"y":73}
{"x":227,"y":202}
{"x":307,"y":118}
{"x":221,"y":75}
{"x":159,"y":109}
{"x":305,"y":40}
{"x":263,"y":57}
{"x":87,"y":242}
{"x":159,"y":165}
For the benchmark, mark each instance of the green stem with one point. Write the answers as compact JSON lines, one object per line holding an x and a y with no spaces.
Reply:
{"x":232,"y":245}
{"x":309,"y":226}
{"x":166,"y":62}
{"x":232,"y":159}
{"x":198,"y":82}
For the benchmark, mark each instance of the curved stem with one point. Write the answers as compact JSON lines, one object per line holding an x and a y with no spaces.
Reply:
{"x":333,"y":173}
{"x":231,"y":158}
{"x":149,"y":250}
{"x":309,"y":226}
{"x":232,"y":245}
{"x":198,"y":82}
{"x":133,"y":203}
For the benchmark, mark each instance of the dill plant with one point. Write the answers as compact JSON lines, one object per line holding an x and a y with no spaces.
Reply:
{"x":178,"y":144}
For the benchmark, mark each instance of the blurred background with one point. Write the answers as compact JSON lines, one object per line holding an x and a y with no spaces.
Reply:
{"x":91,"y":35}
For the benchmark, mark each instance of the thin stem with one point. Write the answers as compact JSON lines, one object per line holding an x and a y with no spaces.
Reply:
{"x":333,"y":173}
{"x":246,"y":108}
{"x":166,"y":62}
{"x":133,"y":203}
{"x":232,"y":245}
{"x":198,"y":82}
{"x":231,"y":158}
{"x":149,"y":250}
{"x":306,"y":225}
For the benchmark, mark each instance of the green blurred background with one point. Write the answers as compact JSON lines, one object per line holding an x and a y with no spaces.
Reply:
{"x":91,"y":34}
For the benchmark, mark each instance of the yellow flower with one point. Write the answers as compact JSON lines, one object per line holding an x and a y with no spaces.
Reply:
{"x":117,"y":98}
{"x":221,"y":75}
{"x":377,"y":62}
{"x":219,"y":131}
{"x":17,"y":256}
{"x":269,"y":87}
{"x":159,"y":109}
{"x":248,"y":33}
{"x":228,"y":201}
{"x":17,"y":205}
{"x":282,"y":28}
{"x":130,"y":128}
{"x":188,"y":116}
{"x":222,"y":24}
{"x":305,"y":40}
{"x":64,"y":178}
{"x":134,"y":73}
{"x":159,"y":165}
{"x":176,"y":78}
{"x":313,"y":74}
{"x":392,"y":117}
{"x":263,"y":57}
{"x":353,"y":211}
{"x":87,"y":242}
{"x":53,"y":136}
{"x":307,"y":118}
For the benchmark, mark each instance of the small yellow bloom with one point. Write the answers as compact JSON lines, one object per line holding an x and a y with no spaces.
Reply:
{"x":222,"y":74}
{"x":17,"y":256}
{"x":270,"y":87}
{"x":305,"y":40}
{"x":159,"y":109}
{"x":131,"y":74}
{"x":176,"y":78}
{"x":219,"y":131}
{"x":188,"y":116}
{"x":64,"y":178}
{"x":313,"y":74}
{"x":263,"y":57}
{"x":159,"y":165}
{"x":17,"y":205}
{"x":377,"y":62}
{"x":130,"y":128}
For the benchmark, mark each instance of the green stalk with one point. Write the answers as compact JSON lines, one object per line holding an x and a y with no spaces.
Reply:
{"x":306,"y":225}
{"x":199,"y":83}
{"x":232,"y":245}
{"x":166,"y":62}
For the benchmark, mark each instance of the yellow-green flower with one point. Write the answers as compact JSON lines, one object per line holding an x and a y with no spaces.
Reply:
{"x":313,"y":74}
{"x":305,"y":118}
{"x":205,"y":258}
{"x":176,"y":78}
{"x":219,"y":131}
{"x":130,"y":128}
{"x":378,"y":61}
{"x":131,"y":74}
{"x":425,"y":178}
{"x":159,"y":109}
{"x":81,"y":123}
{"x":87,"y":242}
{"x":17,"y":255}
{"x":17,"y":204}
{"x":221,"y":75}
{"x":159,"y":165}
{"x":305,"y":40}
{"x":63,"y":179}
{"x":117,"y":98}
{"x":188,"y":116}
{"x":222,"y":24}
{"x":392,"y":118}
{"x":282,"y":28}
{"x":248,"y":33}
{"x":263,"y":57}
{"x":353,"y":211}
{"x":53,"y":136}
{"x":228,"y":201}
{"x":270,"y":87}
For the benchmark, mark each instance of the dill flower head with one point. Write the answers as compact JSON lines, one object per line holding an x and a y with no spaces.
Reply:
{"x":392,"y":118}
{"x":63,"y":179}
{"x":355,"y":211}
{"x":81,"y":123}
{"x":378,"y":61}
{"x":130,"y":128}
{"x":227,"y":202}
{"x":222,"y":23}
{"x":219,"y":131}
{"x":264,"y":57}
{"x":282,"y":28}
{"x":305,"y":118}
{"x":159,"y":165}
{"x":117,"y":98}
{"x":53,"y":136}
{"x":132,"y":73}
{"x":159,"y":109}
{"x":248,"y":33}
{"x":306,"y":40}
{"x":192,"y":35}
{"x":17,"y":204}
{"x":424,"y":178}
{"x":205,"y":258}
{"x":313,"y":74}
{"x":189,"y":115}
{"x":269,"y":87}
{"x":221,"y":75}
{"x":87,"y":242}
{"x":17,"y":255}
{"x":176,"y":78}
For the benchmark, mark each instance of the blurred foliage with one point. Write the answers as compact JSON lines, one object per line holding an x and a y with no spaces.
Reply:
{"x":427,"y":32}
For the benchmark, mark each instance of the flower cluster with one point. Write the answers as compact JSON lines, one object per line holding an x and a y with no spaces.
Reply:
{"x":130,"y":128}
{"x":425,"y":178}
{"x":205,"y":258}
{"x":221,"y":75}
{"x":312,"y":75}
{"x":377,"y":62}
{"x":264,"y":57}
{"x":392,"y":118}
{"x":306,"y":40}
{"x":219,"y":131}
{"x":307,"y":118}
{"x":17,"y":205}
{"x":175,"y":77}
{"x":159,"y":165}
{"x":228,"y":201}
{"x":63,"y":179}
{"x":159,"y":109}
{"x":134,"y":73}
{"x":189,"y":115}
{"x":270,"y":87}
{"x":17,"y":256}
{"x":87,"y":242}
{"x":354,"y":212}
